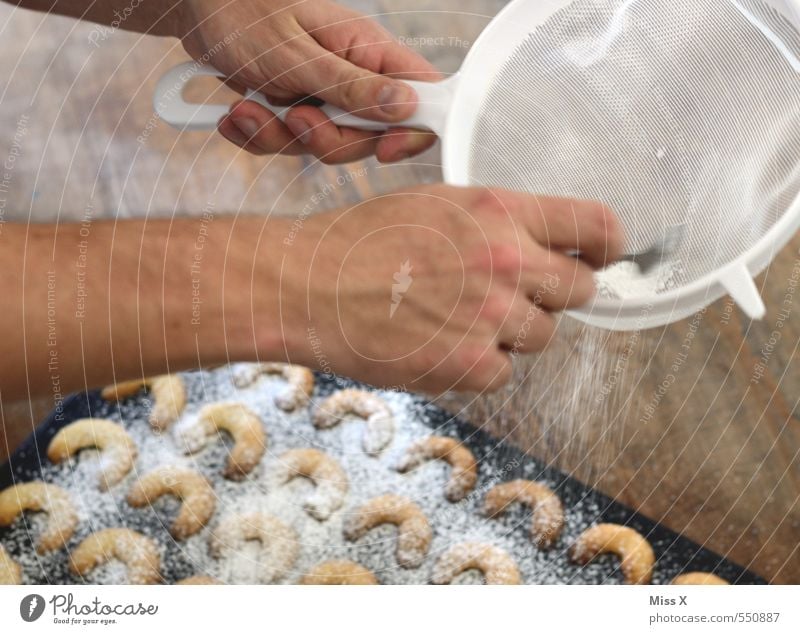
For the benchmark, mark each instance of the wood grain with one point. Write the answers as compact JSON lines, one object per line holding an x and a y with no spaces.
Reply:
{"x":715,"y":456}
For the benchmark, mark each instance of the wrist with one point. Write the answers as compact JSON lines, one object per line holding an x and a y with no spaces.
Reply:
{"x":221,"y":291}
{"x":264,"y":296}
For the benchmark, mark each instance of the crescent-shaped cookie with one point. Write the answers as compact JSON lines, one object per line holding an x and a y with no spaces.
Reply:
{"x":496,"y":565}
{"x":279,"y":542}
{"x":636,"y":556}
{"x":548,"y":514}
{"x":137,"y":552}
{"x":414,"y":533}
{"x":329,"y":479}
{"x":238,"y":420}
{"x":300,"y":382}
{"x":168,"y":392}
{"x":190,"y":487}
{"x":62,"y":518}
{"x":118,"y":450}
{"x":464,"y":474}
{"x":365,"y":405}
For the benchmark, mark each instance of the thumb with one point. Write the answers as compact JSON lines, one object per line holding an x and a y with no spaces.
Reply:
{"x":357,"y":90}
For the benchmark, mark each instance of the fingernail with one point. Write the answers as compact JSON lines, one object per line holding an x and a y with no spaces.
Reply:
{"x":393,"y":98}
{"x":419,"y":141}
{"x":249,"y":127}
{"x":300,"y":129}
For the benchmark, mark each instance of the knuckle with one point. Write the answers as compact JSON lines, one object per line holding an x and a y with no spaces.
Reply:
{"x":496,"y":308}
{"x":368,"y":56}
{"x":347,"y":91}
{"x":506,"y":258}
{"x":495,"y":202}
{"x":350,"y":89}
{"x":535,"y":330}
{"x":574,"y":284}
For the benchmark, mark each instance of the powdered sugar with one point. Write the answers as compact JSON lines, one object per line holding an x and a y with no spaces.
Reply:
{"x":496,"y":565}
{"x":624,"y":280}
{"x":264,"y":491}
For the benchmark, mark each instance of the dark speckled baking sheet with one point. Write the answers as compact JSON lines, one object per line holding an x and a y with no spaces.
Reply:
{"x":675,"y":553}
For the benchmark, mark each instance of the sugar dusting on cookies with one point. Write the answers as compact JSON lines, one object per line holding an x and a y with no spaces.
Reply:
{"x":265,"y":491}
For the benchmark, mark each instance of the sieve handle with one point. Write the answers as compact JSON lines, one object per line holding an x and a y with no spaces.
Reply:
{"x":169,"y":104}
{"x":742,"y":288}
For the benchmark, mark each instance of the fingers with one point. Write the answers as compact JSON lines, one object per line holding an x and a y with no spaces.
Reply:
{"x":562,"y":224}
{"x":480,"y":369}
{"x":357,"y":90}
{"x":354,"y":58}
{"x":586,"y":226}
{"x":255,"y":129}
{"x":401,"y":143}
{"x":307,"y":130}
{"x":559,"y":282}
{"x":527,"y":327}
{"x":333,"y":144}
{"x":343,"y":58}
{"x":365,"y":43}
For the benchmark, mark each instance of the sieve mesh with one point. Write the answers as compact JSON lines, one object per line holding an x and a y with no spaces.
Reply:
{"x":680,"y":111}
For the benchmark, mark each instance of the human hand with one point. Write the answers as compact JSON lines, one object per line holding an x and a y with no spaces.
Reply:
{"x":289,"y":50}
{"x":436,"y":288}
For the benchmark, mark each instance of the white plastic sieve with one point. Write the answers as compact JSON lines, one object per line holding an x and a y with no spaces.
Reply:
{"x":671,"y":112}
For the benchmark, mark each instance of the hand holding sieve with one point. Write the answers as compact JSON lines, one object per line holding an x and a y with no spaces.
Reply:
{"x":672,"y":113}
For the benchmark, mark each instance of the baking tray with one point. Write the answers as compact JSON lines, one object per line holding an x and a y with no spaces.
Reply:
{"x":675,"y":554}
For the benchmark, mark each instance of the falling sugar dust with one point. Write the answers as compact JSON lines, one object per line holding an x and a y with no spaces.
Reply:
{"x":567,"y":405}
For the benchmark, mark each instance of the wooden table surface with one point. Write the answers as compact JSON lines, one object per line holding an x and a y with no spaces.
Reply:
{"x":707,"y":442}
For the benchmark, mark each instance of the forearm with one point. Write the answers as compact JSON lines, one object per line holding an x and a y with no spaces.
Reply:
{"x":155,"y":17}
{"x":103,"y":301}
